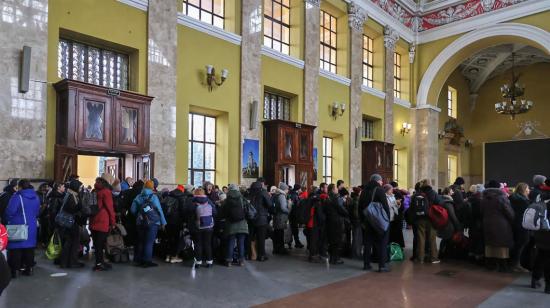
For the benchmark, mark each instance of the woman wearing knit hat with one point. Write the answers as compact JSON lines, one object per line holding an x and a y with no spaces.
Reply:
{"x":280,"y":219}
{"x":146,"y":207}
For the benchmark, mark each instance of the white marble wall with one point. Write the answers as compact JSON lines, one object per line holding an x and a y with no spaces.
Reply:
{"x":311,"y":65}
{"x":251,"y":71}
{"x":23,"y":115}
{"x":161,"y":84}
{"x":390,"y":39}
{"x":426,"y":148}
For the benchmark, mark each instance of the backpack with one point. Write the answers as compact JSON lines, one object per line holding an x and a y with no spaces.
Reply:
{"x":376,"y":216}
{"x":205,"y":219}
{"x":250,"y":210}
{"x":147,"y":214}
{"x":438,"y":216}
{"x":170,"y":208}
{"x":302,"y":214}
{"x":89,"y":203}
{"x":419,"y":205}
{"x":535,"y":217}
{"x":235,"y":209}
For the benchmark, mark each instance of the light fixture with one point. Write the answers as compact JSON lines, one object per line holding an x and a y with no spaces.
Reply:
{"x":406,"y":128}
{"x":211,"y":77}
{"x":513,"y":103}
{"x":337,"y":110}
{"x":441,"y":134}
{"x":468,"y":143}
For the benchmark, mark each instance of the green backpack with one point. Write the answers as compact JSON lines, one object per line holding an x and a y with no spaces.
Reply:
{"x":396,"y":252}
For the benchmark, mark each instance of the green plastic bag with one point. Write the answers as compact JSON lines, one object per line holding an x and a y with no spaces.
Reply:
{"x":396,"y":252}
{"x":54,"y":247}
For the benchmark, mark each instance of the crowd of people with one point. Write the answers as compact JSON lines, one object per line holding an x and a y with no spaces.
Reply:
{"x":484,"y":224}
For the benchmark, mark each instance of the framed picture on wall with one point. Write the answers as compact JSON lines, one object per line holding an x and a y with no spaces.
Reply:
{"x":251,"y":158}
{"x":315,"y":164}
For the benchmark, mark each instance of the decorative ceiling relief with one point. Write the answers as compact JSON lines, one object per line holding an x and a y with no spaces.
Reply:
{"x":418,"y":22}
{"x":528,"y":130}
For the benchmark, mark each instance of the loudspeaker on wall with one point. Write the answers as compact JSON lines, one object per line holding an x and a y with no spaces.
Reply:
{"x":253,"y":115}
{"x":24,"y":69}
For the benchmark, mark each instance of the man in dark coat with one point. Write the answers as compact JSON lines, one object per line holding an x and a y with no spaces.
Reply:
{"x":173,"y":208}
{"x":373,"y":192}
{"x":538,"y":184}
{"x":262,"y":203}
{"x":5,"y":197}
{"x":294,"y":216}
{"x":336,"y":219}
{"x":542,"y":261}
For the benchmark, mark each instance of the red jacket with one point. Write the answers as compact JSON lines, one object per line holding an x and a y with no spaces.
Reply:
{"x":106,"y":215}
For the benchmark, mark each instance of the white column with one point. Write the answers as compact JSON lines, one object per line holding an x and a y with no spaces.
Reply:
{"x":390,"y":39}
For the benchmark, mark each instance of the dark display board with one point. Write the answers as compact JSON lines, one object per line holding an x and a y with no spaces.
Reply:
{"x":517,"y":161}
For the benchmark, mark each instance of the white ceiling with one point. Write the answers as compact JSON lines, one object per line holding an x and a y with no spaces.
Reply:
{"x":496,"y":60}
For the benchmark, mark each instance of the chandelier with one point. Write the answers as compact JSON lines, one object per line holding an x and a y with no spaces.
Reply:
{"x":513,"y":103}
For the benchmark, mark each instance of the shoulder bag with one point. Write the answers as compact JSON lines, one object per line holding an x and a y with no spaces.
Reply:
{"x":64,"y":219}
{"x":19,"y":233}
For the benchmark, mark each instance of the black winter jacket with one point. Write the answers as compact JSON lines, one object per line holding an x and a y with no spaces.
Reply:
{"x":498,"y":218}
{"x":367,"y":196}
{"x":262,"y":202}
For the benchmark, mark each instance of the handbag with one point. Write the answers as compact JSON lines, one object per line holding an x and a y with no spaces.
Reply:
{"x":53,"y":251}
{"x":19,"y":233}
{"x":64,"y":219}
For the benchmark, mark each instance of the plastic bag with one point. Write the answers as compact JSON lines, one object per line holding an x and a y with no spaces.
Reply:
{"x":396,"y":252}
{"x":54,"y":247}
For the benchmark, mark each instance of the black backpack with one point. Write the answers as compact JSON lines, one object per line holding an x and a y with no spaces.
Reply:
{"x":419,"y":205}
{"x":88,"y":200}
{"x":235,"y":209}
{"x":170,"y":208}
{"x":302,"y":214}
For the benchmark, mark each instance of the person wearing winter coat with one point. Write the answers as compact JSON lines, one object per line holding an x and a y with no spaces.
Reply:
{"x":355,"y":219}
{"x":425,"y":231}
{"x":475,"y":225}
{"x":293,"y":218}
{"x":5,"y":197}
{"x":70,"y":237}
{"x":54,"y":200}
{"x":127,"y":198}
{"x":453,"y":225}
{"x":205,"y":213}
{"x":498,"y":219}
{"x":146,"y":201}
{"x":23,"y":208}
{"x":541,"y":267}
{"x":280,"y":219}
{"x":173,"y":206}
{"x":373,"y":192}
{"x":538,"y":186}
{"x":102,"y":222}
{"x":262,"y":203}
{"x":519,"y":201}
{"x":236,"y":226}
{"x":396,"y":224}
{"x":336,"y":220}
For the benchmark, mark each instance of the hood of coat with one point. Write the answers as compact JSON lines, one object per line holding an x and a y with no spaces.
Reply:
{"x":518,"y":197}
{"x":371,"y":185}
{"x":280,"y":192}
{"x":256,"y":187}
{"x":176,"y":193}
{"x":200,"y":199}
{"x":446,"y":198}
{"x":9,"y":189}
{"x":28,"y":194}
{"x":493,"y":193}
{"x":146,"y":192}
{"x":234,"y":194}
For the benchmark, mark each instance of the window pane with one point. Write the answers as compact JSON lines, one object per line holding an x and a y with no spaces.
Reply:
{"x":267,"y":8}
{"x":63,"y":59}
{"x":198,"y":127}
{"x":266,"y":106}
{"x":277,"y":45}
{"x":198,"y":155}
{"x":286,"y":35}
{"x":276,"y":11}
{"x":206,"y":5}
{"x":286,"y":15}
{"x":197,"y":178}
{"x":210,"y":176}
{"x":267,"y":27}
{"x":206,"y":17}
{"x":193,"y":12}
{"x":267,"y":41}
{"x":209,"y":156}
{"x":285,"y":49}
{"x":329,"y":166}
{"x":277,"y":31}
{"x":329,"y":147}
{"x":190,"y":120}
{"x":218,"y":7}
{"x":210,"y":129}
{"x":79,"y":54}
{"x":218,"y":22}
{"x":189,"y":160}
{"x":194,"y":2}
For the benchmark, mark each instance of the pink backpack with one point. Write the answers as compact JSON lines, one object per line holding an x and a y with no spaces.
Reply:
{"x":3,"y":237}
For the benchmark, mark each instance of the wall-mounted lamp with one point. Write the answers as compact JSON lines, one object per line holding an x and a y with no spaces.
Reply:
{"x":441,"y":134}
{"x":468,"y":143}
{"x":211,"y":77}
{"x":337,"y":110}
{"x":406,"y":128}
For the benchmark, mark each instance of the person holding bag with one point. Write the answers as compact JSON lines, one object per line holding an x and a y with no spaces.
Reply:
{"x":21,"y":216}
{"x":68,"y":227}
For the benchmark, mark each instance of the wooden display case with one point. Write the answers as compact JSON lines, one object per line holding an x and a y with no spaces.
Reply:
{"x":377,"y":157}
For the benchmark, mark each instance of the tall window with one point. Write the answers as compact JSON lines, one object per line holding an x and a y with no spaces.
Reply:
{"x":397,"y":75}
{"x":91,"y":64}
{"x":396,"y":165}
{"x":208,"y":11}
{"x":328,"y":42}
{"x":277,"y":25}
{"x":368,"y":128}
{"x":452,"y":102}
{"x":367,"y":61}
{"x":202,"y":149}
{"x":327,"y":160}
{"x":452,"y":168}
{"x":276,"y":107}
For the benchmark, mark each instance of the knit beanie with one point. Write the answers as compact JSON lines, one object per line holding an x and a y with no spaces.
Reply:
{"x":180,"y":188}
{"x":283,"y":186}
{"x":376,"y":177}
{"x":539,"y":179}
{"x":149,"y":184}
{"x":75,"y":185}
{"x":233,"y":187}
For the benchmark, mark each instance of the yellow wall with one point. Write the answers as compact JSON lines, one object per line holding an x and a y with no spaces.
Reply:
{"x":401,"y":142}
{"x":111,"y":23}
{"x":195,"y":51}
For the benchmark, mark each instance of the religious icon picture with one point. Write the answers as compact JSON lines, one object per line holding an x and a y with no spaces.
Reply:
{"x":129,"y":122}
{"x":95,"y":115}
{"x":315,"y":164}
{"x":288,"y":145}
{"x":251,"y":158}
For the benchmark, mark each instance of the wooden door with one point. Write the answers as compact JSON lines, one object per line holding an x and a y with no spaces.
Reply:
{"x":65,"y":163}
{"x":144,"y":166}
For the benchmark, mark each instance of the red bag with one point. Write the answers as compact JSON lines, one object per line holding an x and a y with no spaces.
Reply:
{"x":3,"y":237}
{"x":461,"y":240}
{"x":438,"y":216}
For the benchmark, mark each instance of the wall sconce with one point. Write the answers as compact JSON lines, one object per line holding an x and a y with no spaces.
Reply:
{"x":211,"y":77}
{"x":406,"y":128}
{"x":441,"y":134}
{"x":468,"y":143}
{"x":337,"y":110}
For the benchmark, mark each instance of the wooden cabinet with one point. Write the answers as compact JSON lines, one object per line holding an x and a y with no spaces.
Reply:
{"x":377,"y":157}
{"x":288,"y":152}
{"x":96,"y":118}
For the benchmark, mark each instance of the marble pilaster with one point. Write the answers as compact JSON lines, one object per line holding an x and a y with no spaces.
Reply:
{"x":426,"y":145}
{"x":251,"y":70}
{"x":357,"y":18}
{"x":390,"y":39}
{"x":161,"y":84}
{"x":311,"y":66}
{"x":23,"y":115}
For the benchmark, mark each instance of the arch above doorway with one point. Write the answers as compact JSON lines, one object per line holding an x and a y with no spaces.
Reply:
{"x":448,"y":59}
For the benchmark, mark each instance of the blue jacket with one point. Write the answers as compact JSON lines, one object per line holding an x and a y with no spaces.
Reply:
{"x":140,"y":199}
{"x":14,"y":216}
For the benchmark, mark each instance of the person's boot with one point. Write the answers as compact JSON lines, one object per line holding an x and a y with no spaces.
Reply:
{"x":535,"y":283}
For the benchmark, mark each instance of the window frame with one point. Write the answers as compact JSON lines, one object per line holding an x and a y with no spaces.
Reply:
{"x":368,"y":63}
{"x":327,"y":178}
{"x":274,"y":21}
{"x":368,"y":126}
{"x":452,"y":161}
{"x":452,"y":102}
{"x":397,"y":75}
{"x":332,"y":65}
{"x":396,"y":165}
{"x":190,"y":169}
{"x":269,"y":112}
{"x":186,"y":4}
{"x":118,"y":84}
